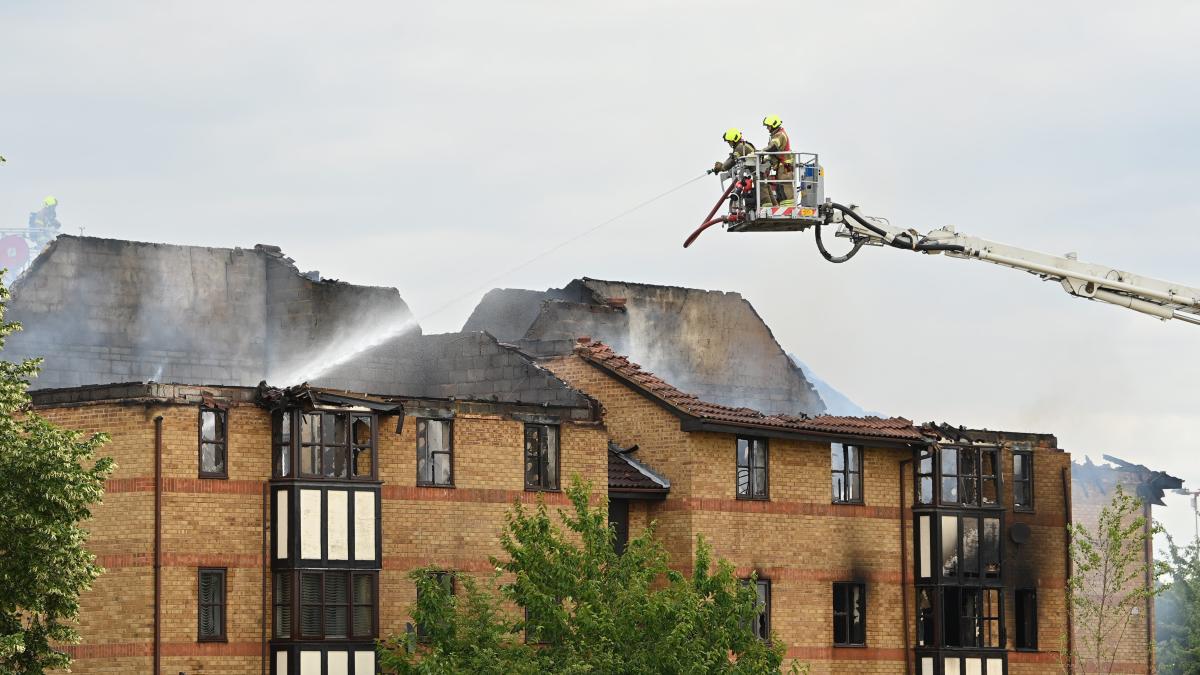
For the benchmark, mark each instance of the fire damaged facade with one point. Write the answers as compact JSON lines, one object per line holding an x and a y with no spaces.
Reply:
{"x":259,"y":525}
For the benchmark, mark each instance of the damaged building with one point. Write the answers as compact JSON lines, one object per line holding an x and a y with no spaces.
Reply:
{"x":290,"y":448}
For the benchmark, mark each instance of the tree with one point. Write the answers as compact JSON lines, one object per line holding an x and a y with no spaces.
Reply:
{"x":1107,"y":588}
{"x":587,"y":609}
{"x":1177,"y":613}
{"x":49,"y":482}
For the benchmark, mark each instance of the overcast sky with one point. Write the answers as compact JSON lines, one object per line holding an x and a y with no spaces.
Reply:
{"x":430,"y":146}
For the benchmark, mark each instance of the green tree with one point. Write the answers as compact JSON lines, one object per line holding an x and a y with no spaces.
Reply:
{"x":590,"y":609}
{"x":1107,"y":589}
{"x":1177,"y":612}
{"x":48,"y":482}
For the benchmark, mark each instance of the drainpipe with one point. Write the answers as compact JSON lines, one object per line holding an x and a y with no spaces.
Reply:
{"x":904,"y":568}
{"x":158,"y":437}
{"x":1066,"y":488}
{"x":266,"y":550}
{"x":1149,"y":598}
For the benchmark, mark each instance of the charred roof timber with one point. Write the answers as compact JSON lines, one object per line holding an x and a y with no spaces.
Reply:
{"x":1148,"y":484}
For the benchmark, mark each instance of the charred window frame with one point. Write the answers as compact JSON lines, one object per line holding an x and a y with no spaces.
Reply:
{"x":435,"y":452}
{"x":970,"y":476}
{"x":849,"y":614}
{"x":447,"y":581}
{"x":324,"y":444}
{"x":971,"y":617}
{"x":925,"y":477}
{"x":213,"y":443}
{"x":970,"y":548}
{"x":1026,"y":616}
{"x":541,"y":457}
{"x":761,"y":624}
{"x":753,"y":475}
{"x":1023,"y":480}
{"x":326,"y":605}
{"x":210,"y":602}
{"x":846,"y":462}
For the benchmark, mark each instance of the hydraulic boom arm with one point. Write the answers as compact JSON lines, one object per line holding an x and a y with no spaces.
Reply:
{"x":1161,"y":299}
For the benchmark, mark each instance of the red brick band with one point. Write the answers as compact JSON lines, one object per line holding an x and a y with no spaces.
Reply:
{"x":134,"y":649}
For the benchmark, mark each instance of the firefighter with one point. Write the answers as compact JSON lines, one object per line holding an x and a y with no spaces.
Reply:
{"x":783,"y":167}
{"x":738,"y":147}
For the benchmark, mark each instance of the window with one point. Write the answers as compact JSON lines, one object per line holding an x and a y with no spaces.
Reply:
{"x":849,"y":614}
{"x":971,"y":617}
{"x":1023,"y":480}
{"x":969,"y":476}
{"x":282,"y":624}
{"x":211,"y":602}
{"x":847,"y":473}
{"x":1026,"y":618}
{"x":925,"y":477}
{"x":212,"y":443}
{"x":282,"y":440}
{"x":618,"y":520}
{"x":332,"y":605}
{"x":434,"y":453}
{"x":751,"y":468}
{"x":541,"y":457}
{"x":446,"y":581}
{"x":330,"y":444}
{"x":970,"y":547}
{"x":762,"y":622}
{"x":924,"y":617}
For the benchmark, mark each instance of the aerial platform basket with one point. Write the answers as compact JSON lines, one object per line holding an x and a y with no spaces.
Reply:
{"x":758,"y":196}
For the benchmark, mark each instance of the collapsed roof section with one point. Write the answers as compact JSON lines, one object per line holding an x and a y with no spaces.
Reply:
{"x":1097,"y":482}
{"x":711,"y":343}
{"x":697,"y":414}
{"x":102,"y":311}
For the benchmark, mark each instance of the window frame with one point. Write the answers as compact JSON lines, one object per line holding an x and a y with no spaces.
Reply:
{"x":844,"y":590}
{"x":557,"y":450}
{"x":290,"y":442}
{"x":223,"y":604}
{"x":846,"y":472}
{"x":751,"y":469}
{"x":967,"y":478}
{"x":449,"y":422}
{"x":1031,"y":627}
{"x":443,"y":577}
{"x":295,"y":628}
{"x":1027,"y":456}
{"x":222,"y":442}
{"x":762,"y":622}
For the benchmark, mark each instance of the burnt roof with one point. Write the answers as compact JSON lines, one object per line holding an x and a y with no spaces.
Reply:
{"x":690,"y":406}
{"x":1148,"y":484}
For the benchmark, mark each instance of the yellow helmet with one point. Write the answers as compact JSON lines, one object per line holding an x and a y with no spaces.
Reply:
{"x":772,"y":122}
{"x":733,"y":135}
{"x":49,"y":201}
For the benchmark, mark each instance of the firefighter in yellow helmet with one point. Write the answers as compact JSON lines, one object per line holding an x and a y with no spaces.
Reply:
{"x":783,"y":166}
{"x":738,"y":147}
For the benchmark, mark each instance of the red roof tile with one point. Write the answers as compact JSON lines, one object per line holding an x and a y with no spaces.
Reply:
{"x":892,"y":428}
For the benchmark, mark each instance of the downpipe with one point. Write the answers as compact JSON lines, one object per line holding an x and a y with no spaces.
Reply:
{"x":158,"y":445}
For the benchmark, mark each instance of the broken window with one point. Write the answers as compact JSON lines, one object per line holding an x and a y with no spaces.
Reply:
{"x":949,"y":546}
{"x":849,"y":614}
{"x":1023,"y":480}
{"x":434,"y":453}
{"x":925,"y":477}
{"x":976,"y":612}
{"x":970,"y":547}
{"x":213,"y":443}
{"x":331,"y":444}
{"x":761,"y":625}
{"x":282,"y":433}
{"x":925,"y":620}
{"x":362,"y":446}
{"x":211,"y":604}
{"x":847,"y":473}
{"x":541,"y":457}
{"x":751,"y":468}
{"x":970,"y":476}
{"x":1026,"y":618}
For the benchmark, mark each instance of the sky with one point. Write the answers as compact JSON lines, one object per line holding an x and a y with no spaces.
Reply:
{"x":434,"y":147}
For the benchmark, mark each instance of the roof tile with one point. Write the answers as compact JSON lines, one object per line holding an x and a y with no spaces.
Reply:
{"x":892,"y":428}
